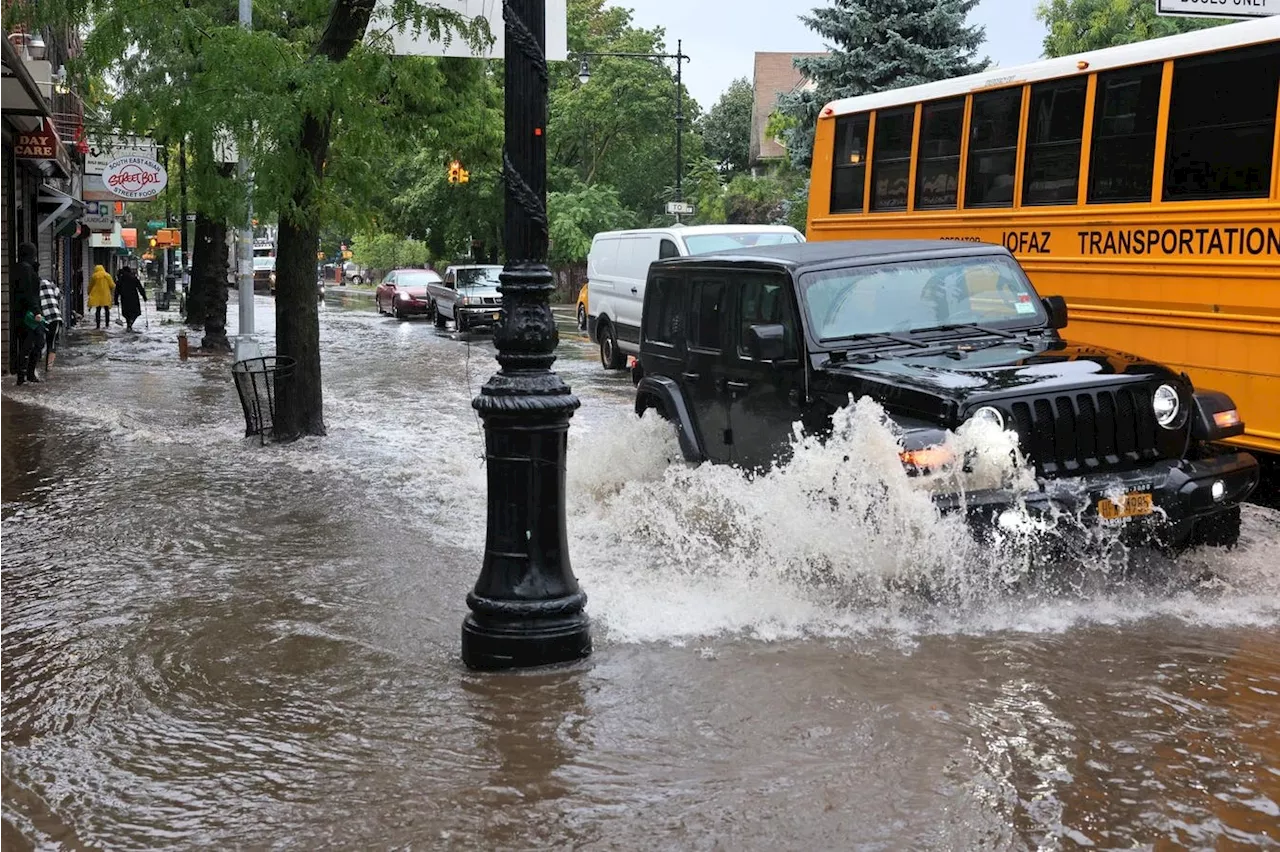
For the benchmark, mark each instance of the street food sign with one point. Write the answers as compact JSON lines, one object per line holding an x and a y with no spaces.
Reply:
{"x":135,"y":178}
{"x":1219,"y":8}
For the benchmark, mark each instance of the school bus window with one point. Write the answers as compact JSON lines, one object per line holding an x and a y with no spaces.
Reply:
{"x":1123,"y":154}
{"x":849,"y":169}
{"x":1222,"y":119}
{"x":938,"y":160}
{"x":993,"y":148}
{"x":891,"y":169}
{"x":1054,"y":129}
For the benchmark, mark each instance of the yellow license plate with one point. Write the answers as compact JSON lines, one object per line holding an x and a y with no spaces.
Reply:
{"x":1130,"y":506}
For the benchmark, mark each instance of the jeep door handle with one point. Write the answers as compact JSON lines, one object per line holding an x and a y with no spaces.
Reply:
{"x":736,"y":387}
{"x":690,"y":377}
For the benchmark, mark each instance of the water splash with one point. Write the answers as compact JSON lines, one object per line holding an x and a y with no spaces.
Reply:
{"x":841,"y":539}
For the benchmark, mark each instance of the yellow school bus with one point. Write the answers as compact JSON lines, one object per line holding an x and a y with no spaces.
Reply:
{"x":1141,"y":182}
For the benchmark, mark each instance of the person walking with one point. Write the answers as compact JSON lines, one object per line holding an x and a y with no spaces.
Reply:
{"x":51,"y":309}
{"x":101,"y":286}
{"x":128,"y":290}
{"x":26,"y":307}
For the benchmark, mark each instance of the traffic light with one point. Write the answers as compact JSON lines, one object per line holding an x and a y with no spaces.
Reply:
{"x":457,"y":174}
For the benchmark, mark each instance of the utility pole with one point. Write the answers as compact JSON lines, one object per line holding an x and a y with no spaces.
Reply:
{"x":246,"y":345}
{"x":182,"y":224}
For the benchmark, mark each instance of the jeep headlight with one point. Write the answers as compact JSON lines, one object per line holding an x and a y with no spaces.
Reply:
{"x":1166,"y":405}
{"x":990,"y":414}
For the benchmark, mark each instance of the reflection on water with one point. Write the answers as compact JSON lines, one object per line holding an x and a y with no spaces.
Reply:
{"x":211,"y":644}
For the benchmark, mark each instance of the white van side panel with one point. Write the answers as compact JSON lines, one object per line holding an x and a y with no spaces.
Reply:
{"x":633,"y":268}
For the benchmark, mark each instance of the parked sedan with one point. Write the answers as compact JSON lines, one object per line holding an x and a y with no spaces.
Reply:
{"x":403,"y":292}
{"x":469,"y":296}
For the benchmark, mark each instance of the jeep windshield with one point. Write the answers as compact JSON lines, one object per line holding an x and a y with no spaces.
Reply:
{"x":922,"y":295}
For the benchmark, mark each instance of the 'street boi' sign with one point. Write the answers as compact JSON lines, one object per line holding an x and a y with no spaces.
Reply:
{"x":135,"y":178}
{"x":1219,"y":8}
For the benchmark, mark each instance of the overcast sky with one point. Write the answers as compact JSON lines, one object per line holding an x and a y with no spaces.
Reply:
{"x":722,"y":36}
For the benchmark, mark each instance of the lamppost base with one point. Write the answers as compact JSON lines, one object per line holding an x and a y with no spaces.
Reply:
{"x":491,"y":643}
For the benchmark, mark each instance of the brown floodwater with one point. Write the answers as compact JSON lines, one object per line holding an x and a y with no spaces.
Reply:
{"x":207,"y":643}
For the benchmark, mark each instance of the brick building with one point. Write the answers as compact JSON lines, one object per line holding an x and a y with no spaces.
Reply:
{"x":775,"y":75}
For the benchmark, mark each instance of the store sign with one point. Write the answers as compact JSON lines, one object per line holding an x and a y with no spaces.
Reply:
{"x":105,"y":149}
{"x":134,"y":178}
{"x":98,"y":215}
{"x":1219,"y":8}
{"x":39,"y":144}
{"x":43,"y":145}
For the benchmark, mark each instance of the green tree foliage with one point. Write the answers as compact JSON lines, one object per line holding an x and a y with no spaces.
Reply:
{"x":382,"y":252}
{"x":704,"y":186}
{"x":303,"y":93}
{"x":578,"y":215}
{"x":878,"y":45}
{"x":1079,"y":25}
{"x":726,"y":128}
{"x":759,"y":200}
{"x":619,"y":129}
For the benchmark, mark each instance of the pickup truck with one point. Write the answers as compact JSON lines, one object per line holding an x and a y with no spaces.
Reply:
{"x":468,"y":295}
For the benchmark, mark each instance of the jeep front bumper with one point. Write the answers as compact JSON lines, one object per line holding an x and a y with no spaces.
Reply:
{"x":1179,"y":490}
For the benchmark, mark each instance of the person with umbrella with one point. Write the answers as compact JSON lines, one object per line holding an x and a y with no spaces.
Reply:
{"x":129,"y":295}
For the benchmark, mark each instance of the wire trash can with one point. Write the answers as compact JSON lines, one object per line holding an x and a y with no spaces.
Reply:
{"x":256,"y":384}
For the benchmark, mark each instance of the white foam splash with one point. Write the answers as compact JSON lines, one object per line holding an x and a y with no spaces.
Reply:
{"x":840,"y":540}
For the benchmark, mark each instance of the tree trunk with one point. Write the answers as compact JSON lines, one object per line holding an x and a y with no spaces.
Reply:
{"x":201,"y":271}
{"x":215,"y":270}
{"x":299,"y":401}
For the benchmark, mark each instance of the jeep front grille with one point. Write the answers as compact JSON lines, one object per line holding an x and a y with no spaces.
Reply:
{"x":1086,"y":431}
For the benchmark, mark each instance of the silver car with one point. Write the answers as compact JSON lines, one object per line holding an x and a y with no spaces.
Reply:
{"x":468,"y":295}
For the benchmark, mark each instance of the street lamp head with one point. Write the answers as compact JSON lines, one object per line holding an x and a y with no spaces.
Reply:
{"x":584,"y":72}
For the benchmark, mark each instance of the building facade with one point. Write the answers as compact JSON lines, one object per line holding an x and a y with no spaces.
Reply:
{"x":775,"y":75}
{"x":41,"y":125}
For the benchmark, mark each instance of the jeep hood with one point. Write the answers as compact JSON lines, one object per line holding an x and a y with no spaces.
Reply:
{"x":1011,"y":368}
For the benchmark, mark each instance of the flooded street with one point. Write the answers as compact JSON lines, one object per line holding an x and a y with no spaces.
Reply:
{"x":208,"y":643}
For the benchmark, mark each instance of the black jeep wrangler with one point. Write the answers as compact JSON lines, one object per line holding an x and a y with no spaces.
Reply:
{"x":737,"y":347}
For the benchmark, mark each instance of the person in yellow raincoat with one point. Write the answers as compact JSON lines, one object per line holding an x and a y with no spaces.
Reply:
{"x":101,"y":287}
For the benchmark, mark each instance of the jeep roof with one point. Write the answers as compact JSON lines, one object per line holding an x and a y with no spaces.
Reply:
{"x":799,"y":255}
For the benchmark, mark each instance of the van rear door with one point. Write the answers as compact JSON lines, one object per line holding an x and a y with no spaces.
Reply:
{"x":634,"y":256}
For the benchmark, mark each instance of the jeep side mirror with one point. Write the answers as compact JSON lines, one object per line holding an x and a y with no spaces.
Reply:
{"x":767,"y":341}
{"x":1056,"y":307}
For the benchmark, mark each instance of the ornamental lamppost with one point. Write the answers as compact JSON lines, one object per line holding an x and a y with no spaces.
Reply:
{"x":526,"y":607}
{"x":584,"y":74}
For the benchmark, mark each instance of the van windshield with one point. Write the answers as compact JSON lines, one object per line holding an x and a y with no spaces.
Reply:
{"x":706,"y":243}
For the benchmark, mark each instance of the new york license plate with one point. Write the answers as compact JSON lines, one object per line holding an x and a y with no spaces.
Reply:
{"x":1130,"y":506}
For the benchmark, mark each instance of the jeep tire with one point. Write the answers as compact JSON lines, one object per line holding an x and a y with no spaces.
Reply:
{"x":610,"y":357}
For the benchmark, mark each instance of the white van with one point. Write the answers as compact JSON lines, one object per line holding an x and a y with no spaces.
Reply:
{"x":619,"y":264}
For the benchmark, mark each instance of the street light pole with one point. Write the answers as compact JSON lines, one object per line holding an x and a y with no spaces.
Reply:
{"x":246,"y":345}
{"x":584,"y":74}
{"x":680,"y":57}
{"x":526,"y":607}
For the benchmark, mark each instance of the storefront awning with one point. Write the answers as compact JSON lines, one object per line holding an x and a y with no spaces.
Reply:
{"x":21,"y":95}
{"x":58,"y":207}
